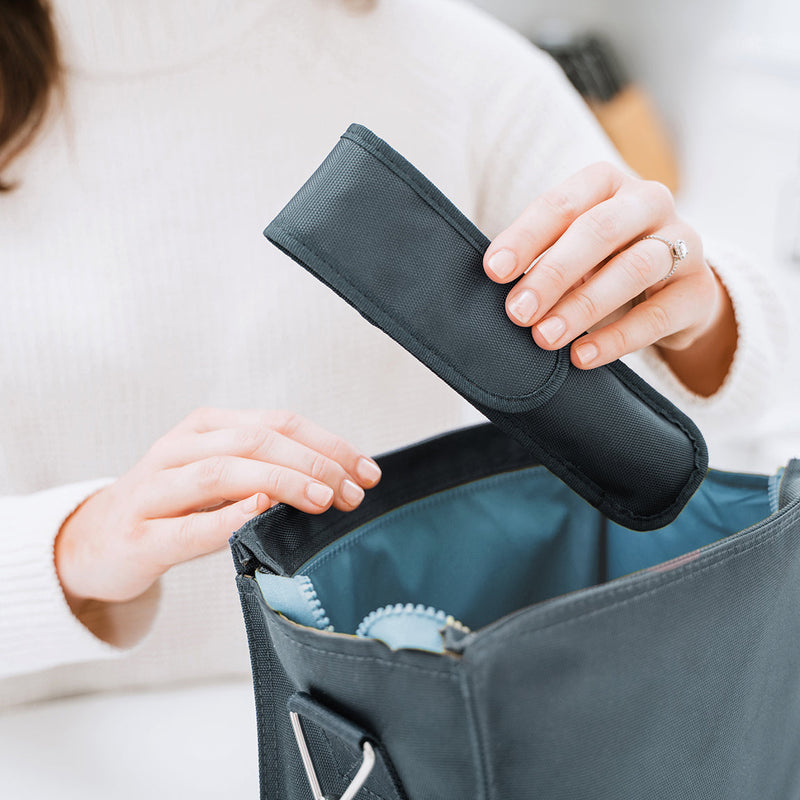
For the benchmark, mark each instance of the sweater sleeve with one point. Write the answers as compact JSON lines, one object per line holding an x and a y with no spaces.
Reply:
{"x":37,"y":628}
{"x":533,"y":132}
{"x":754,"y":376}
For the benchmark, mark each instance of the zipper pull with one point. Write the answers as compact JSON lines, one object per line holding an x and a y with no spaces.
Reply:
{"x":454,"y":634}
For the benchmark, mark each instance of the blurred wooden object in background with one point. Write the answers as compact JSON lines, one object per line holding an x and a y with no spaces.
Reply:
{"x":623,"y":109}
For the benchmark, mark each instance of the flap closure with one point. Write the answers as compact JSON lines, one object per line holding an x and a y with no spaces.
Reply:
{"x":415,"y":269}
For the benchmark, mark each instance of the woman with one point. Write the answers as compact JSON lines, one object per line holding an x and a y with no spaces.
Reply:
{"x":138,"y":288}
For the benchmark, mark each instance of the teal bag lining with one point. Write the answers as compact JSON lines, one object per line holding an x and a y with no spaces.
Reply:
{"x":487,"y":548}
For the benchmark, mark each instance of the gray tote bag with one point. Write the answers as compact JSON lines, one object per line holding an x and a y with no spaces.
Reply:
{"x":600,"y":663}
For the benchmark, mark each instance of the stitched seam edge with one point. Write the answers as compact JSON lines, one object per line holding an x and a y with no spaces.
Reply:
{"x":477,"y":740}
{"x":347,"y":776}
{"x":651,"y":398}
{"x":541,"y":394}
{"x":754,"y":538}
{"x":374,"y":659}
{"x":253,"y":532}
{"x":352,"y":538}
{"x":337,"y":765}
{"x":258,"y":685}
{"x":604,"y":498}
{"x":407,"y":178}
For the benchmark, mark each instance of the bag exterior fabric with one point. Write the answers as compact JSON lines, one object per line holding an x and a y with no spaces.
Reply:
{"x":680,"y":680}
{"x":379,"y":233}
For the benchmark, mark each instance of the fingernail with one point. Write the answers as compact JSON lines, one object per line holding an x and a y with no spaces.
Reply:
{"x":368,"y":470}
{"x":319,"y":493}
{"x":255,"y":502}
{"x":551,"y":329}
{"x":502,"y":263}
{"x":586,"y":353}
{"x":352,"y":492}
{"x":523,"y":305}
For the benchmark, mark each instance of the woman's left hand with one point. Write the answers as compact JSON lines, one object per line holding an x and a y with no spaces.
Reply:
{"x":597,"y":263}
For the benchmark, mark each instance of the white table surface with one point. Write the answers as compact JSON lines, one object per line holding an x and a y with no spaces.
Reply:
{"x":193,"y":742}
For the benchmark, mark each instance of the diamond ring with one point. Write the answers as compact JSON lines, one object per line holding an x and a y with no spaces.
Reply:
{"x":678,"y":250}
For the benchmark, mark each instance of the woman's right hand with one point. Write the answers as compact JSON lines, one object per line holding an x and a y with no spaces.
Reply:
{"x":193,"y":488}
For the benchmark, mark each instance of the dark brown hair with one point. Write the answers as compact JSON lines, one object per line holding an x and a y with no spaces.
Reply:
{"x":30,"y":74}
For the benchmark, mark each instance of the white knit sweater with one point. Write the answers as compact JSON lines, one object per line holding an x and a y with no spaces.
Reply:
{"x":137,"y":285}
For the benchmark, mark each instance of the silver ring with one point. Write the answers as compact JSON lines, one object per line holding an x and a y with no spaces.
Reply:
{"x":678,"y":250}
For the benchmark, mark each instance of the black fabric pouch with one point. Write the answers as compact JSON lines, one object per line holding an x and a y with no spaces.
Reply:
{"x":379,"y":233}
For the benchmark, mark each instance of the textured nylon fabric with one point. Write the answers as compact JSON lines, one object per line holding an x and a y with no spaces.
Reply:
{"x":647,"y":438}
{"x":343,"y":745}
{"x":402,"y":701}
{"x":282,"y":774}
{"x":392,"y":213}
{"x":682,"y":685}
{"x":286,"y":538}
{"x":280,"y":769}
{"x":677,"y":682}
{"x":373,"y":228}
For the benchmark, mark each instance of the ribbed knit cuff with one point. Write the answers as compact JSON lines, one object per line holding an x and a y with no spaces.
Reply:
{"x":37,"y":628}
{"x":761,"y":326}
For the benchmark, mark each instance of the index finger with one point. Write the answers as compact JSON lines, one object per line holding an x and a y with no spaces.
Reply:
{"x":543,"y":222}
{"x":295,"y":427}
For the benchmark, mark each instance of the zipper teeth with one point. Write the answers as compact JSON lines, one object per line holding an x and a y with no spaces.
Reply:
{"x":394,"y":610}
{"x":452,"y":622}
{"x":408,"y":608}
{"x":320,"y":616}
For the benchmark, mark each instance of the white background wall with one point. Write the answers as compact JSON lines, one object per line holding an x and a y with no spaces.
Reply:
{"x":725,"y":75}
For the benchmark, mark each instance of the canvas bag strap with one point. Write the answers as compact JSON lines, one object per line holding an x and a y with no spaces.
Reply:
{"x":345,"y":745}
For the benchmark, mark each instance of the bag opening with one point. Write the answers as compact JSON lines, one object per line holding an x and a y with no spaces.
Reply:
{"x":485,"y":549}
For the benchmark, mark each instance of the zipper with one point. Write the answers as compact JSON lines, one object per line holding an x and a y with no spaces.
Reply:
{"x":405,"y":625}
